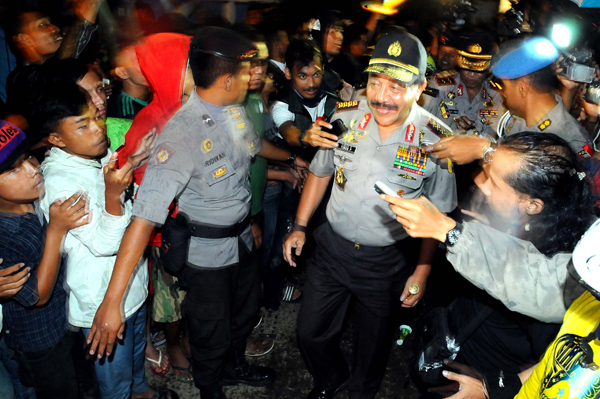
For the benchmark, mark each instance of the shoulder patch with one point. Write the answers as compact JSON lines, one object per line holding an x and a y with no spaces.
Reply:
{"x":346,"y":106}
{"x":164,"y":153}
{"x":447,"y":81}
{"x":438,"y":129}
{"x":545,"y":125}
{"x":430,"y":91}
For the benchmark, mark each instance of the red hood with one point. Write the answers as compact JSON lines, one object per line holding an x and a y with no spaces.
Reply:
{"x":163,"y":61}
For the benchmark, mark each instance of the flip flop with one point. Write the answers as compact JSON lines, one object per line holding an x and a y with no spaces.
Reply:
{"x":182,"y":379}
{"x":158,"y":364}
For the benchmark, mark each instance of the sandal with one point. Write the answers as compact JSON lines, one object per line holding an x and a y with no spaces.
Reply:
{"x":158,"y":338}
{"x":158,"y":365}
{"x":182,"y":379}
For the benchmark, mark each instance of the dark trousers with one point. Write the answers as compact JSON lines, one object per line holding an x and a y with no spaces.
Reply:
{"x":340,"y":275}
{"x":221,"y":309}
{"x":51,"y":371}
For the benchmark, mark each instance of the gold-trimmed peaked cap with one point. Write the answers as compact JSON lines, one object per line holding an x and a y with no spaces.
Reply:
{"x":223,"y":42}
{"x":475,"y":51}
{"x":399,"y":55}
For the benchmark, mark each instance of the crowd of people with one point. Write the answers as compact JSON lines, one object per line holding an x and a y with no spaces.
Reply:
{"x":168,"y":177}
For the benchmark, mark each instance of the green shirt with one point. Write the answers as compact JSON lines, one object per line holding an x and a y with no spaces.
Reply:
{"x":258,"y":169}
{"x":116,"y":129}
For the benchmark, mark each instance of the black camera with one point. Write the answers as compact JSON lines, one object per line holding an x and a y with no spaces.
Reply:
{"x":513,"y":23}
{"x":454,"y":14}
{"x":577,"y":65}
{"x":592,"y":94}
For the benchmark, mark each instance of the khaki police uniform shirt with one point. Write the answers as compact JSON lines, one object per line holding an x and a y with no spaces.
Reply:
{"x":355,"y":210}
{"x":557,"y":121}
{"x":206,"y":166}
{"x":446,"y":97}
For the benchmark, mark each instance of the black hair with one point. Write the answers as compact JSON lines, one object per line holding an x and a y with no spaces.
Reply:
{"x":14,"y":22}
{"x":249,"y":32}
{"x":206,"y":68}
{"x":544,"y":80}
{"x":56,"y":103}
{"x":272,"y":31}
{"x":326,"y":20}
{"x":353,"y":34}
{"x":550,"y":171}
{"x":301,"y":52}
{"x":67,"y":70}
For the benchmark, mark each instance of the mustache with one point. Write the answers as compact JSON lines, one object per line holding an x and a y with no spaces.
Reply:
{"x":383,"y":105}
{"x":312,"y":88}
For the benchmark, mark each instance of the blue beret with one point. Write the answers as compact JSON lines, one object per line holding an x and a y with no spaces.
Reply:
{"x":532,"y":55}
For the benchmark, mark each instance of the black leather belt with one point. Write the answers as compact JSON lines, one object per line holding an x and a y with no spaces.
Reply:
{"x":215,"y":232}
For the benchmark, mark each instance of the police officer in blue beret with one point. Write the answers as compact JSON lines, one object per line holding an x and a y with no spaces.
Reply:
{"x":526,"y":79}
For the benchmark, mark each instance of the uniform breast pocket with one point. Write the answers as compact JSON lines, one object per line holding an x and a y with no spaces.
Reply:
{"x":405,"y":183}
{"x":220,"y":172}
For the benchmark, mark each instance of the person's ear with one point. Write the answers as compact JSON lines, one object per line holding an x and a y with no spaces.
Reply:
{"x":522,"y":87}
{"x":55,"y":140}
{"x":228,"y":81}
{"x":420,"y":89}
{"x":534,"y":206}
{"x":22,"y":40}
{"x":288,"y":73}
{"x":121,"y":73}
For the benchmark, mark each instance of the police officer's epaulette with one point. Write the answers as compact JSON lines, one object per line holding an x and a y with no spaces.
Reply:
{"x":430,"y":91}
{"x":346,"y":106}
{"x":545,"y":125}
{"x":446,"y":81}
{"x":438,"y":129}
{"x":445,"y":74}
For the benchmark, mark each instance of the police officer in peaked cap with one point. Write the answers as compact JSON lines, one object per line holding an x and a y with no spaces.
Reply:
{"x":360,"y":256}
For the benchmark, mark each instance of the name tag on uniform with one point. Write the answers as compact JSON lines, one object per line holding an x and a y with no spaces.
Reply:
{"x":350,"y":149}
{"x":411,"y":159}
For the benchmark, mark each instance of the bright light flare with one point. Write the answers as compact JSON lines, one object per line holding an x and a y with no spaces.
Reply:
{"x":389,"y":7}
{"x":561,"y":35}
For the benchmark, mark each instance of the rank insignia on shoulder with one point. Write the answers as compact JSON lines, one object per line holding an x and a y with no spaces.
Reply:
{"x":208,"y":120}
{"x":364,"y":121}
{"x":346,"y":106}
{"x":235,"y":113}
{"x":438,"y":129}
{"x":207,"y":146}
{"x":164,"y":153}
{"x":430,"y":91}
{"x":407,"y":176}
{"x":460,"y":89}
{"x":445,"y":113}
{"x":446,"y":81}
{"x":545,"y":124}
{"x":410,"y":133}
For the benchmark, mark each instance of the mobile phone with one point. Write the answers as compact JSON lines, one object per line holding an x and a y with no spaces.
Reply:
{"x":118,"y":162}
{"x":381,"y":188}
{"x":339,"y":128}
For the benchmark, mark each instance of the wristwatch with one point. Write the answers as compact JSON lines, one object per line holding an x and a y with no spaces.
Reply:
{"x":291,"y":159}
{"x":301,"y":139}
{"x":453,"y":235}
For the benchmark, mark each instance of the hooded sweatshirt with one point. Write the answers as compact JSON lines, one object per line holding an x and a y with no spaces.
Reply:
{"x":163,"y":61}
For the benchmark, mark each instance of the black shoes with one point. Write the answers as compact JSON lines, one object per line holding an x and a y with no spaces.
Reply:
{"x":212,"y":391}
{"x":329,"y":393}
{"x":244,"y":373}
